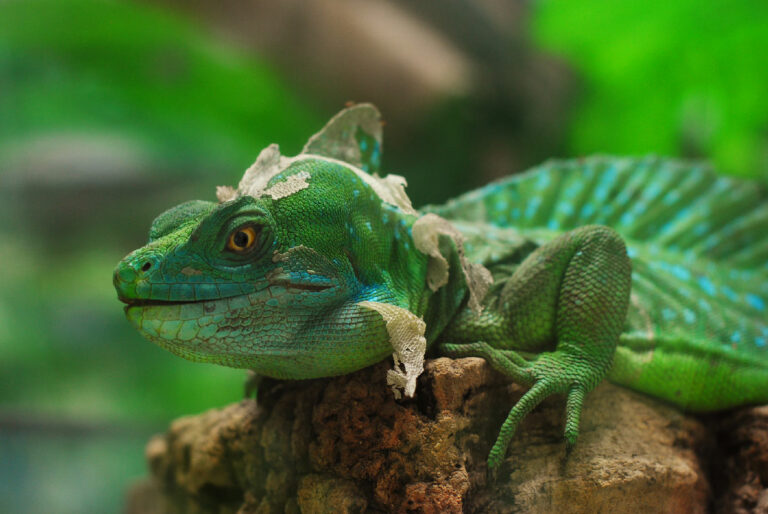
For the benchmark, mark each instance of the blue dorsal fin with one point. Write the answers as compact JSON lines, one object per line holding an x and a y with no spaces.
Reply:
{"x":353,"y":136}
{"x":682,"y":206}
{"x":698,"y":241}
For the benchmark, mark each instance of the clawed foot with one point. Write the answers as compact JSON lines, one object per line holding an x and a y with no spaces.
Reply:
{"x":550,"y":373}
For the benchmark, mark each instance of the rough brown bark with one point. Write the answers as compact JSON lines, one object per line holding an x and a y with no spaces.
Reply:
{"x":345,"y":445}
{"x":742,"y":477}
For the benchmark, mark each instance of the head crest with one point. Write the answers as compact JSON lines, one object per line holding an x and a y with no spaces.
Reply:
{"x":353,"y":137}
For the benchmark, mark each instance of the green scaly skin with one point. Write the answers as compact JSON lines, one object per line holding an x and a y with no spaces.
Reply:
{"x":565,"y":308}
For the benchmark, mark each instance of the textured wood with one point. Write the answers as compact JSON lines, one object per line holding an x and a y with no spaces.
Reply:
{"x":345,"y":445}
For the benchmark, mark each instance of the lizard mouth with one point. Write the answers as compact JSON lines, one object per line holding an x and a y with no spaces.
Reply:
{"x":135,"y":302}
{"x":143,"y":302}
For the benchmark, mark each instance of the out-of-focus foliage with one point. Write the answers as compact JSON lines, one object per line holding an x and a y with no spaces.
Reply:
{"x":109,"y":66}
{"x":681,"y":77}
{"x":96,"y":67}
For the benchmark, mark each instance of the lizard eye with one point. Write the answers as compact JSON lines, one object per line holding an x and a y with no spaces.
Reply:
{"x":243,"y":239}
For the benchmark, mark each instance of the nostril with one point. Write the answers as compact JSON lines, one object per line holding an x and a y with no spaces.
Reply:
{"x":146,"y":266}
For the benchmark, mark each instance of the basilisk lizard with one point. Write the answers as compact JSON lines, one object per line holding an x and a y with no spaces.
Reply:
{"x":315,"y":266}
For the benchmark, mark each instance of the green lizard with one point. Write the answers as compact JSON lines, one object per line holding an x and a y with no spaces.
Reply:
{"x":314,"y":266}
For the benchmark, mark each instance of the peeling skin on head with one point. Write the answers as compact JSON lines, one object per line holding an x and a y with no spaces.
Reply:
{"x":280,"y":257}
{"x":426,"y":231}
{"x":391,"y":189}
{"x":255,"y":179}
{"x":406,"y":335}
{"x":284,"y":256}
{"x":225,"y":193}
{"x":287,"y":187}
{"x":274,"y":274}
{"x":268,"y":164}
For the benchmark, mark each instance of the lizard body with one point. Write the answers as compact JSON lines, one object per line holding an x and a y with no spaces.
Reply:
{"x":314,"y":266}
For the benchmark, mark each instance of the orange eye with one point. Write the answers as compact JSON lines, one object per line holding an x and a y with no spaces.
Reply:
{"x":242,"y":239}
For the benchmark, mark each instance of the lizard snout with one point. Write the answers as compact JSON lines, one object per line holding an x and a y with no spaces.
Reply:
{"x":132,"y":271}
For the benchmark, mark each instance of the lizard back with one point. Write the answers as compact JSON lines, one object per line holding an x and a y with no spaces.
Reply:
{"x":697,"y":328}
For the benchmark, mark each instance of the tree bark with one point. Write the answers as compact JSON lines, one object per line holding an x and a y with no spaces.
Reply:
{"x":346,"y":445}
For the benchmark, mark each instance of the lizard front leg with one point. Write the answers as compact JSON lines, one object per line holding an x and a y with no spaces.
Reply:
{"x":567,"y":302}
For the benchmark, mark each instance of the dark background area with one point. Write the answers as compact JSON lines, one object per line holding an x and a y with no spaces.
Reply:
{"x":112,"y":111}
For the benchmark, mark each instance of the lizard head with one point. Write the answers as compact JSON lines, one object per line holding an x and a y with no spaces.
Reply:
{"x":269,"y":277}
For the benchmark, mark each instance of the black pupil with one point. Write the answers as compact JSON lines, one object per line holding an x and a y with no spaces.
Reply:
{"x":241,"y":239}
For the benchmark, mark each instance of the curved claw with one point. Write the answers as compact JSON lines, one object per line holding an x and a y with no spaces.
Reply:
{"x":573,"y":415}
{"x":530,"y":400}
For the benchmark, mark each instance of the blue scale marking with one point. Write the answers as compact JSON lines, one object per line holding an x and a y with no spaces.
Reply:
{"x":681,"y":273}
{"x":730,"y":293}
{"x":671,"y":197}
{"x":756,"y":302}
{"x":623,"y":197}
{"x":588,"y":210}
{"x":676,"y":270}
{"x":491,"y":189}
{"x":701,"y":229}
{"x":609,"y":177}
{"x":707,"y":286}
{"x":532,"y":207}
{"x":653,"y":190}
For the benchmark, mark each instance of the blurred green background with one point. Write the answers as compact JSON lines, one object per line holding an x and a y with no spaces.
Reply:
{"x":111,"y":112}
